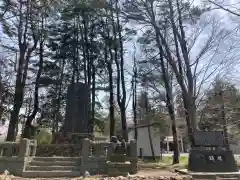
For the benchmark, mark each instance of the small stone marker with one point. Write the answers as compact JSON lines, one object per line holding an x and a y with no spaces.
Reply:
{"x":118,"y":164}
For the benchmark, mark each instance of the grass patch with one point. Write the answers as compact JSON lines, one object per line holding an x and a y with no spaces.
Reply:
{"x":164,"y":163}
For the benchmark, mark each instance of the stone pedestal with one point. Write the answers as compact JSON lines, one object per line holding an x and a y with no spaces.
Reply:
{"x":118,"y":165}
{"x":201,"y":160}
{"x":70,"y":138}
{"x":118,"y":158}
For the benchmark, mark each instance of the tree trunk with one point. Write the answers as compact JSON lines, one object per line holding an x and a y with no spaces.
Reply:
{"x":178,"y":63}
{"x":189,"y":75}
{"x":116,"y":42}
{"x":111,"y":96}
{"x":58,"y":98}
{"x":162,"y":43}
{"x":170,"y":106}
{"x":151,"y":143}
{"x":134,"y":105}
{"x":122,"y":102}
{"x":1,"y":111}
{"x":188,"y":121}
{"x":91,"y":124}
{"x":28,"y":130}
{"x":124,"y":124}
{"x":23,"y":62}
{"x":11,"y":135}
{"x":18,"y":98}
{"x":1,"y":90}
{"x":84,"y":56}
{"x":1,"y":106}
{"x":93,"y":83}
{"x":109,"y":62}
{"x":134,"y":96}
{"x":87,"y":59}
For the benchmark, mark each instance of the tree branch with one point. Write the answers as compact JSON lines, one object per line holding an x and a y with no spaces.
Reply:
{"x":223,"y":8}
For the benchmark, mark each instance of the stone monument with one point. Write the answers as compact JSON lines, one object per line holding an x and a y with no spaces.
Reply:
{"x":118,"y":164}
{"x":209,"y":155}
{"x":76,"y":117}
{"x":75,"y":125}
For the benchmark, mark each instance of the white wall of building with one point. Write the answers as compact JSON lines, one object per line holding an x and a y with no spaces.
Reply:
{"x":4,"y":130}
{"x":235,"y":147}
{"x":143,"y":141}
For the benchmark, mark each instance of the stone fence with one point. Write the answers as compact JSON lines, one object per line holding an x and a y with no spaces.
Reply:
{"x":95,"y":154}
{"x":93,"y":148}
{"x":15,"y":156}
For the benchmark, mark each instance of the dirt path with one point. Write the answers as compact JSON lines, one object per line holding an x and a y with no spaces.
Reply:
{"x":155,"y":173}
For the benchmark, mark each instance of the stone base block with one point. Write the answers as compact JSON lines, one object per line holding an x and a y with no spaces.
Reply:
{"x":210,"y":175}
{"x":70,"y":138}
{"x":202,"y":160}
{"x":118,"y":158}
{"x":118,"y":168}
{"x":115,"y":174}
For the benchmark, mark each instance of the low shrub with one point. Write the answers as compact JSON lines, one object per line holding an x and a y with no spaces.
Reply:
{"x":43,"y":137}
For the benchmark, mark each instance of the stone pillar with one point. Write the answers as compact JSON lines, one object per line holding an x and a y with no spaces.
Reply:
{"x":23,"y":156}
{"x":133,"y":156}
{"x":34,"y":144}
{"x":24,"y":148}
{"x":182,"y":150}
{"x":86,"y":145}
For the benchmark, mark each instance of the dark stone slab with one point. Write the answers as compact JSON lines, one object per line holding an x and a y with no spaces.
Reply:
{"x":208,"y":138}
{"x":76,"y":117}
{"x":209,"y":154}
{"x":202,"y":160}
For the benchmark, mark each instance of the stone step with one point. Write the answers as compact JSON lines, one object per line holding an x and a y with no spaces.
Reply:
{"x":219,"y":178}
{"x":53,"y":168}
{"x":50,"y":174}
{"x":214,"y":176}
{"x":54,"y":163}
{"x":115,"y":174}
{"x":57,"y":158}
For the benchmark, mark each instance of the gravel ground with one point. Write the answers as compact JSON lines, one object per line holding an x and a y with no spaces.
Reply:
{"x":102,"y":178}
{"x":142,"y":175}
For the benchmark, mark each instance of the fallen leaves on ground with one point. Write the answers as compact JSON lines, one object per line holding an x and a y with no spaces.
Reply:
{"x":132,"y":177}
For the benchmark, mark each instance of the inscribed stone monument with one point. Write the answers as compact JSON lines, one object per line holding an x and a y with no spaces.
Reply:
{"x":209,"y":153}
{"x":76,"y":117}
